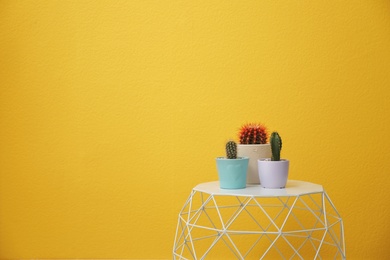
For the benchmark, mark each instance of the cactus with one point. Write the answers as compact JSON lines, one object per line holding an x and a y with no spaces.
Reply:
{"x":231,"y":150}
{"x":253,"y":134}
{"x":276,"y":146}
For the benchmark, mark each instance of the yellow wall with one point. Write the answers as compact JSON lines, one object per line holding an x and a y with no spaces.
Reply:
{"x":111,"y":111}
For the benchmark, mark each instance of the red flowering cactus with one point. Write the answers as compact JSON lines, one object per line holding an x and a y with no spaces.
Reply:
{"x":253,"y":133}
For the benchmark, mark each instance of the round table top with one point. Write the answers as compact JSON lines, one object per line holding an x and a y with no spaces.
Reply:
{"x":293,"y":188}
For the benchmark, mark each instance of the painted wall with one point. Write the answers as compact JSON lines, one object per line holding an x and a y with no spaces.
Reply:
{"x":111,"y":111}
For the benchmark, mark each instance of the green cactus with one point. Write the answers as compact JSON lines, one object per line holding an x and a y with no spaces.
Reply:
{"x":231,"y":150}
{"x":276,"y":146}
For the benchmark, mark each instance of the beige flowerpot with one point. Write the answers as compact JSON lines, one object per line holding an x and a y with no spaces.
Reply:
{"x":254,"y":152}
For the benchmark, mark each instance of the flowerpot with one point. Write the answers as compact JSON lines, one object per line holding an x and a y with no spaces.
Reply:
{"x":254,"y":152}
{"x":232,"y":172}
{"x":273,"y":174}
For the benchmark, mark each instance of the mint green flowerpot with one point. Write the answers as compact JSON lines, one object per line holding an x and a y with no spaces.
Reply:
{"x":232,"y":172}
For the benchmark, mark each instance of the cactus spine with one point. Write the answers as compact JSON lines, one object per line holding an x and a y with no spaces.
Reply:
{"x":253,"y":134}
{"x":276,"y":146}
{"x":231,"y":150}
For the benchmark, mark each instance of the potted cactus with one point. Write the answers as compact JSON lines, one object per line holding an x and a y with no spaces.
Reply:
{"x":232,"y":170}
{"x":273,"y":172}
{"x":253,"y":139}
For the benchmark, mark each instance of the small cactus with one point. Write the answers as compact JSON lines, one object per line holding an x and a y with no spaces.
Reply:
{"x":253,"y":134}
{"x":231,"y":150}
{"x":276,"y":146}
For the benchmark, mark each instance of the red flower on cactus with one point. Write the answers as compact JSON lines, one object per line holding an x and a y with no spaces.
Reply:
{"x":253,"y":133}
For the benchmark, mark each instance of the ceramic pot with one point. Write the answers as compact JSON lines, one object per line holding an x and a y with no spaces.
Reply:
{"x":254,"y":152}
{"x":273,"y":174}
{"x":232,"y":173}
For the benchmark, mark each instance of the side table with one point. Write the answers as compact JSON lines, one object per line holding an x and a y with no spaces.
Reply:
{"x":298,"y":222}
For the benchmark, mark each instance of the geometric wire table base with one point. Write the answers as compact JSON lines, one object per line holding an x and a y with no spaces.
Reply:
{"x":298,"y":222}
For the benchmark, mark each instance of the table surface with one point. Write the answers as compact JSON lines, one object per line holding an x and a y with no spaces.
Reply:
{"x":293,"y":188}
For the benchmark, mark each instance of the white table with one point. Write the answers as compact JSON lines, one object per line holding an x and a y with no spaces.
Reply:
{"x":298,"y":222}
